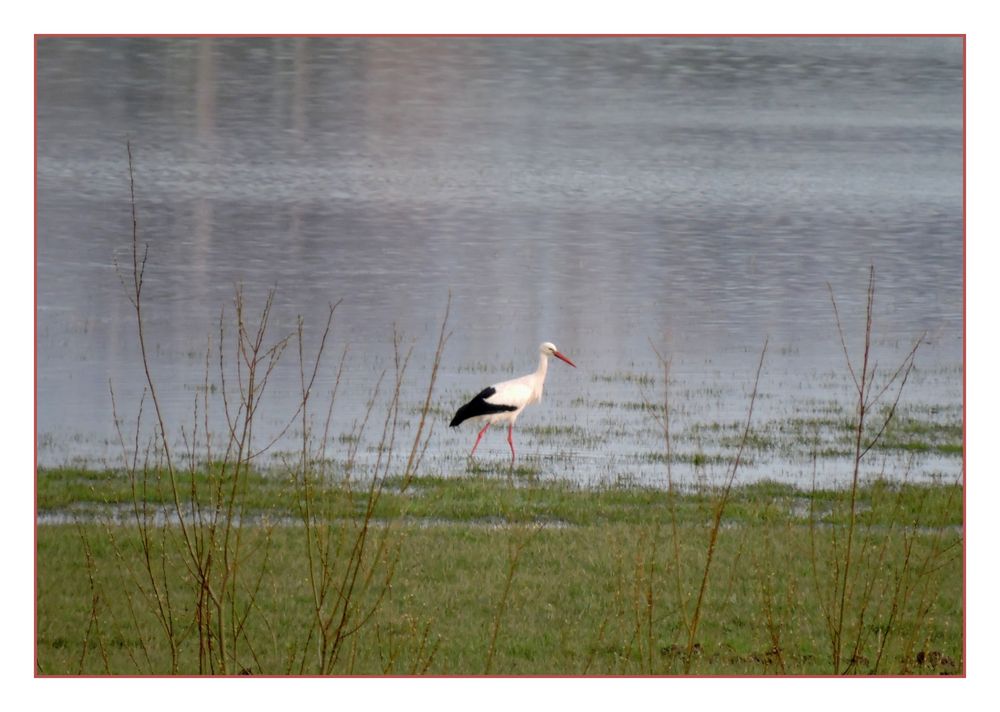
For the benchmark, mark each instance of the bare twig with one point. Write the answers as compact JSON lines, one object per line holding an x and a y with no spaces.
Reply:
{"x":717,"y":517}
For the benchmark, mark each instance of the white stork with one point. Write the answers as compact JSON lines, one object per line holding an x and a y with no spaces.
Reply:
{"x":503,"y":402}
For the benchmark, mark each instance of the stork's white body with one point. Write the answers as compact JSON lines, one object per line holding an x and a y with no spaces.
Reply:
{"x":504,"y":401}
{"x":520,"y":392}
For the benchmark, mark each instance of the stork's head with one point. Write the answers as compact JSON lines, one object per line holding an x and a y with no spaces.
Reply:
{"x":549,"y":349}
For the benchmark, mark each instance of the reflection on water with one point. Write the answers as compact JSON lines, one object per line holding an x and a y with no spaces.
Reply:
{"x":599,"y":193}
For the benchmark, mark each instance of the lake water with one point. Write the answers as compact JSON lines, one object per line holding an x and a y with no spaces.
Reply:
{"x":606,"y":194}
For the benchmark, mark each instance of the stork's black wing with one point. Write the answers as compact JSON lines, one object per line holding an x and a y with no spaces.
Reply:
{"x":479,"y":406}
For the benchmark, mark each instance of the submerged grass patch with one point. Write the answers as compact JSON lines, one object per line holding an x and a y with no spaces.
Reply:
{"x":642,"y":379}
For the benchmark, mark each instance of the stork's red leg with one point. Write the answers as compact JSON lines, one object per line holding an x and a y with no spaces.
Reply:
{"x":478,"y":438}
{"x":510,"y":440}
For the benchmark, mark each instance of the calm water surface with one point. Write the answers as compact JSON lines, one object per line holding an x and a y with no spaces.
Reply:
{"x":606,"y":194}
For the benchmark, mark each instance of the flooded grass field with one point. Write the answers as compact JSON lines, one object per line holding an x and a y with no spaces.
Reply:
{"x":599,"y":439}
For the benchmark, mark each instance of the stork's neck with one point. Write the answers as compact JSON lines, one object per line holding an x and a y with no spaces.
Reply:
{"x":543,"y":366}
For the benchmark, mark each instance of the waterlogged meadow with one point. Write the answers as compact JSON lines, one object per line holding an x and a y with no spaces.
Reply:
{"x":347,"y":556}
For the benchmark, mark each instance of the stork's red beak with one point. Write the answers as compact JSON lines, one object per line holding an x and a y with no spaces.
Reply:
{"x":560,"y":356}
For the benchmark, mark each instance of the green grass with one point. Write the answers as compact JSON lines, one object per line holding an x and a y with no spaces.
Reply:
{"x":603,"y":585}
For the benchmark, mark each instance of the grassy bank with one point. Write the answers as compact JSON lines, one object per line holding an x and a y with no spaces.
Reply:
{"x":478,"y":574}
